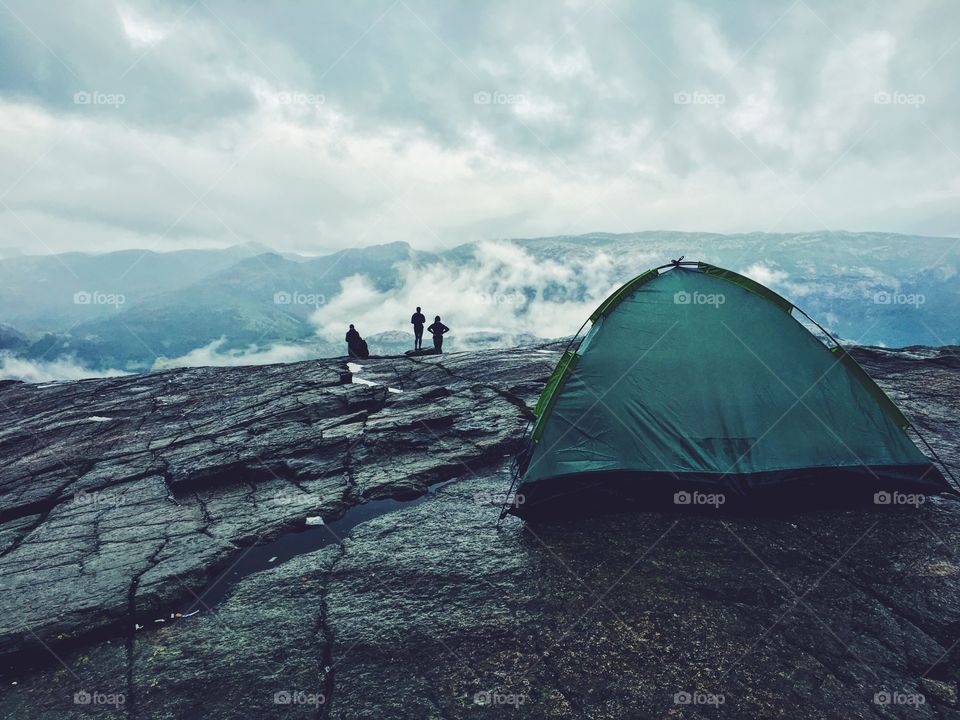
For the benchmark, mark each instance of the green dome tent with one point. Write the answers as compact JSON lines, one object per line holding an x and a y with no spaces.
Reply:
{"x":694,"y":383}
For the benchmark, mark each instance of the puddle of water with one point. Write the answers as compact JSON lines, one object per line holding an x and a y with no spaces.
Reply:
{"x":290,"y":545}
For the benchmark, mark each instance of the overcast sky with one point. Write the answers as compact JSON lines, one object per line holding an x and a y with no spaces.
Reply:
{"x":316,"y":126}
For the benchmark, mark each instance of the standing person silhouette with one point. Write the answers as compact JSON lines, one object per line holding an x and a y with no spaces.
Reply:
{"x":437,"y":330}
{"x":418,"y":321}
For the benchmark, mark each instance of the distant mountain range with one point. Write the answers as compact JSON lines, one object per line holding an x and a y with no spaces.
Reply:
{"x":134,"y":310}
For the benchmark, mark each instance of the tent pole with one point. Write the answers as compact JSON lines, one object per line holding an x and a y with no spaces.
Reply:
{"x":956,"y":486}
{"x":503,"y":508}
{"x":514,"y":475}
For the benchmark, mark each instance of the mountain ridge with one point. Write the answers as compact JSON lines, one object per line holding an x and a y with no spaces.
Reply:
{"x":873,"y":288}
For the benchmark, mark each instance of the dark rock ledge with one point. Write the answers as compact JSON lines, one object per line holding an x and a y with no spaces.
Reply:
{"x":112,"y":524}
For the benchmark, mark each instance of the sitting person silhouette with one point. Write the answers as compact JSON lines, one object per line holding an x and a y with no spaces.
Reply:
{"x":356,"y":345}
{"x":418,"y":321}
{"x":437,"y":330}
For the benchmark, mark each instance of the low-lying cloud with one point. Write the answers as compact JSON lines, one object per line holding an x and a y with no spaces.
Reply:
{"x":60,"y":370}
{"x":765,"y":274}
{"x":501,"y":292}
{"x":215,"y":354}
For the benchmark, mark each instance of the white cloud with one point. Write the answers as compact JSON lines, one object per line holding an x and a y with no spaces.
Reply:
{"x":397,"y":150}
{"x":140,"y":31}
{"x":502,"y":289}
{"x":59,"y":370}
{"x":764,"y":274}
{"x":212,"y":354}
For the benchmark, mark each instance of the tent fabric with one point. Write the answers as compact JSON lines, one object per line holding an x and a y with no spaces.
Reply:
{"x":693,"y":376}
